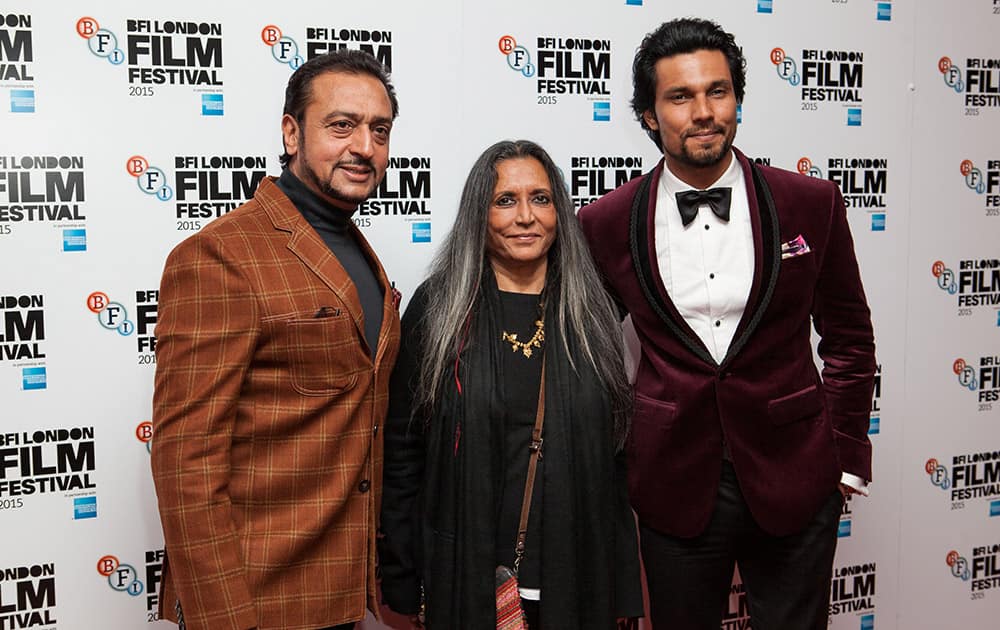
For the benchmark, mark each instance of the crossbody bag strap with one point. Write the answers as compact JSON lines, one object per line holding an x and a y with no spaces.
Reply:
{"x":535,"y":446}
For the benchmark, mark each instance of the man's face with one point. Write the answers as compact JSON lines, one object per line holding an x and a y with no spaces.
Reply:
{"x":340,"y":149}
{"x":695,"y":114}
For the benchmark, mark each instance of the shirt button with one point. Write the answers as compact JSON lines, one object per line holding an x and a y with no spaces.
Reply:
{"x":711,"y":276}
{"x":364,"y":485}
{"x":718,"y":323}
{"x":706,"y":227}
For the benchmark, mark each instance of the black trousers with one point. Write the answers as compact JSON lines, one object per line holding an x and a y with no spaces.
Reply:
{"x":343,"y":626}
{"x":787,"y":578}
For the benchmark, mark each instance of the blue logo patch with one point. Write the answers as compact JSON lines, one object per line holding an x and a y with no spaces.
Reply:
{"x":211,"y":105}
{"x":764,"y":6}
{"x":84,"y":507}
{"x":873,"y":425}
{"x":33,"y":378}
{"x":844,"y":529}
{"x":867,"y":622}
{"x":634,"y":3}
{"x":884,"y":12}
{"x":853,"y":116}
{"x":602,"y":111}
{"x":22,"y":101}
{"x":739,"y":113}
{"x":75,"y":240}
{"x":994,"y":508}
{"x":421,"y":233}
{"x":878,"y":222}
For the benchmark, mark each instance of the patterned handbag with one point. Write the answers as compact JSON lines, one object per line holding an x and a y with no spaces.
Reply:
{"x":509,"y":613}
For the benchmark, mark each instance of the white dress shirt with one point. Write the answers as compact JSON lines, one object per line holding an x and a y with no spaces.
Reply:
{"x":707,"y":266}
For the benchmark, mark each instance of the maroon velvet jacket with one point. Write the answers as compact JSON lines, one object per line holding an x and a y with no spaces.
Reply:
{"x":790,"y":432}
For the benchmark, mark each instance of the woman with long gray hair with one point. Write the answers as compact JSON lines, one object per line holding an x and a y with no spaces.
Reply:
{"x":512,"y":293}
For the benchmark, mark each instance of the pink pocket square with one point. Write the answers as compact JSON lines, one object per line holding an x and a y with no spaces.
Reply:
{"x":397,"y":297}
{"x":795,"y":247}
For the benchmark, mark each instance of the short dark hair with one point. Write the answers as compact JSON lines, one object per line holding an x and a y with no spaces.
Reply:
{"x":683,"y":35}
{"x":299,"y":89}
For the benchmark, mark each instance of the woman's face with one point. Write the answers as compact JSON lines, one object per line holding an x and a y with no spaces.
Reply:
{"x":522,"y":221}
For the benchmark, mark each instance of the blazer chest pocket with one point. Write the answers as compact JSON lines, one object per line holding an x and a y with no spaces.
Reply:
{"x":805,"y":403}
{"x":322,"y":351}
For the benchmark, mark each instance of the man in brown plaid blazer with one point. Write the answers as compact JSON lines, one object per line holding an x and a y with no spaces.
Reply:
{"x":277,"y":331}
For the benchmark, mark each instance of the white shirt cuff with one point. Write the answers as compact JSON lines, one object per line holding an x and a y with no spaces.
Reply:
{"x":534,"y":594}
{"x":855,"y":482}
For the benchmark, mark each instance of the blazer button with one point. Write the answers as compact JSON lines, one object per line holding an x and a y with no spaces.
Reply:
{"x":364,"y":485}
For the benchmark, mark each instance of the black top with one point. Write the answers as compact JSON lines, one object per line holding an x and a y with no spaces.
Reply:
{"x":522,"y":376}
{"x":334,"y":227}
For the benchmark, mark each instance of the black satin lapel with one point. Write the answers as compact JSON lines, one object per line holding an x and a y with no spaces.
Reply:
{"x":639,"y":240}
{"x":771,"y":257}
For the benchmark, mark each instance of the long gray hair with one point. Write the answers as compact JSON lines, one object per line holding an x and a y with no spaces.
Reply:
{"x":572,"y":279}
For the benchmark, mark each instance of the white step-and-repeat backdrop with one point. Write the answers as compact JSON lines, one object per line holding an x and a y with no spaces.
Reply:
{"x":124,"y":130}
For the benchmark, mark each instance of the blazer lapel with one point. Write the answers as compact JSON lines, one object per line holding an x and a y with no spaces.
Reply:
{"x":309,"y":247}
{"x":767,"y":260}
{"x":641,"y":242}
{"x":390,"y":299}
{"x":767,"y":254}
{"x":314,"y":254}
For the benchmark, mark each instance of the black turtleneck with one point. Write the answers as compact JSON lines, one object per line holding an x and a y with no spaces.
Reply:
{"x":334,"y":227}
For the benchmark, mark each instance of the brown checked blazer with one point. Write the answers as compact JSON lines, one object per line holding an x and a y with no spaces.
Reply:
{"x":267,"y":458}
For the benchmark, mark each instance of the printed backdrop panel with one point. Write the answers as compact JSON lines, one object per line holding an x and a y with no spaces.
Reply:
{"x":950,"y":459}
{"x":125,"y":130}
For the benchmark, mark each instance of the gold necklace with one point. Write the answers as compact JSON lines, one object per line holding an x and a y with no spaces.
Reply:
{"x":526,"y":346}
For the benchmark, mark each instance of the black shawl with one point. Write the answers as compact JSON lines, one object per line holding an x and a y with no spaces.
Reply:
{"x":590,"y":572}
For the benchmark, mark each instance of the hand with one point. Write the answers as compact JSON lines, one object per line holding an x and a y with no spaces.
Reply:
{"x":401,"y":622}
{"x":846,"y":490}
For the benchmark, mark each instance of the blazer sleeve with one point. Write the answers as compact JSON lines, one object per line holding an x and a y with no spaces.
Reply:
{"x":586,"y":220}
{"x":403,"y":473}
{"x":847,"y":344}
{"x":207,"y":329}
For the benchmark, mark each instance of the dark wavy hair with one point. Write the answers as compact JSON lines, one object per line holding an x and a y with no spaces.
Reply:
{"x":583,"y":307}
{"x":683,"y":35}
{"x":299,"y":89}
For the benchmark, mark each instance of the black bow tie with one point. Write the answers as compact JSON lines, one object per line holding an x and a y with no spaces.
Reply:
{"x":716,"y":198}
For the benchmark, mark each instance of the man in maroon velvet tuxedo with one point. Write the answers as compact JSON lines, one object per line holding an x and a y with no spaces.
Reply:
{"x":740,"y":451}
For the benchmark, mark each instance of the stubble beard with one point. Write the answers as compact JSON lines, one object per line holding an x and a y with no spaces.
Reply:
{"x":704,"y":157}
{"x":325,"y":185}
